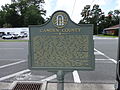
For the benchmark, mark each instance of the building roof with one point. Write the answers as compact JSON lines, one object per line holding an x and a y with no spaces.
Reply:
{"x":113,"y":27}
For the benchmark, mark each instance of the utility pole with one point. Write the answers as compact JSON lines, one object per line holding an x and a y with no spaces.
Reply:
{"x":118,"y":61}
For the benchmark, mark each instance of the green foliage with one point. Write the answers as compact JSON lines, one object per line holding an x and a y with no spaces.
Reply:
{"x":11,"y":15}
{"x":107,"y":36}
{"x":22,"y":13}
{"x":7,"y":25}
{"x":97,"y":17}
{"x":2,"y":18}
{"x":92,"y":16}
{"x":32,"y":16}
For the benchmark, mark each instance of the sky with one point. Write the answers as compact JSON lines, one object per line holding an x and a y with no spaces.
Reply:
{"x":74,"y":7}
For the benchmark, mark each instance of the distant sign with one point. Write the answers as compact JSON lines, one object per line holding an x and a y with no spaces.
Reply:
{"x":60,"y":44}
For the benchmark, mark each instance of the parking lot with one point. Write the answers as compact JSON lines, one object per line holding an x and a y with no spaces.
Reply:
{"x":14,"y":57}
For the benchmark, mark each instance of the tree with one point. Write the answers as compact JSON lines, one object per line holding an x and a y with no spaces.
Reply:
{"x":31,"y":12}
{"x":116,"y":15}
{"x":2,"y":18}
{"x":92,"y":16}
{"x":11,"y":15}
{"x":22,"y":13}
{"x":32,"y":16}
{"x":7,"y":25}
{"x":85,"y":14}
{"x":113,"y":17}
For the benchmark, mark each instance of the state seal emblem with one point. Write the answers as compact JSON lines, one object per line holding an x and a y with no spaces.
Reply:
{"x":60,"y":19}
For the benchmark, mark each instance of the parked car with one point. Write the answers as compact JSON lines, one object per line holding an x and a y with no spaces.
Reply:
{"x":9,"y":36}
{"x":15,"y":36}
{"x":1,"y":34}
{"x":22,"y":35}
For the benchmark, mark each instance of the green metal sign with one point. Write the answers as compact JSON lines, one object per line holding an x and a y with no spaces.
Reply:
{"x":60,"y":44}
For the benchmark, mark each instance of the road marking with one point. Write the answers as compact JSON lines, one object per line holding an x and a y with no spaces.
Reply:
{"x":76,"y":77}
{"x":10,"y":59}
{"x":13,"y":75}
{"x":99,"y":52}
{"x":11,"y":48}
{"x":49,"y":78}
{"x":96,"y":53}
{"x":113,"y":60}
{"x":102,"y":59}
{"x":103,"y":38}
{"x":11,"y":64}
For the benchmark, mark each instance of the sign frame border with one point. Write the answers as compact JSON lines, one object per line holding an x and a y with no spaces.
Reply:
{"x":59,"y":68}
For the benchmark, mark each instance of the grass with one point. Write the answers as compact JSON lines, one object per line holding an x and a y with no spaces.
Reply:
{"x":107,"y":36}
{"x":2,"y":40}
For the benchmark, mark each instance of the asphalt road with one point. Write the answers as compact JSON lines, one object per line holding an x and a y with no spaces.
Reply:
{"x":14,"y":66}
{"x":105,"y":65}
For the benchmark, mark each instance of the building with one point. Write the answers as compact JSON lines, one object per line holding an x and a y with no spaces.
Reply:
{"x":111,"y":30}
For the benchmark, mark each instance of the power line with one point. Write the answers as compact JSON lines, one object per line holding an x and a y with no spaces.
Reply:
{"x":73,"y":8}
{"x":92,"y":2}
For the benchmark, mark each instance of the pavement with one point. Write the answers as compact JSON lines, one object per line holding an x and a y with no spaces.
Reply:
{"x":74,"y":86}
{"x":4,"y":86}
{"x":101,"y":67}
{"x":67,"y":86}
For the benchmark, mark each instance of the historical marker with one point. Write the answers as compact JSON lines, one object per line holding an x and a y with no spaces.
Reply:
{"x":60,"y":44}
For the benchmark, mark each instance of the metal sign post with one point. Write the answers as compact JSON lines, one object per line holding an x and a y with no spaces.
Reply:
{"x":60,"y":78}
{"x":60,"y":46}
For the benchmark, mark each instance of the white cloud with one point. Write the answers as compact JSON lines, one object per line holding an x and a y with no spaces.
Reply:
{"x":101,"y":2}
{"x":3,"y":2}
{"x":48,"y":6}
{"x":80,"y":4}
{"x":118,"y":4}
{"x":67,"y":5}
{"x":58,"y":5}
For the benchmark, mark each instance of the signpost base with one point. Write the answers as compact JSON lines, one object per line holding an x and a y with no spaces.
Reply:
{"x":118,"y":86}
{"x":60,"y":78}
